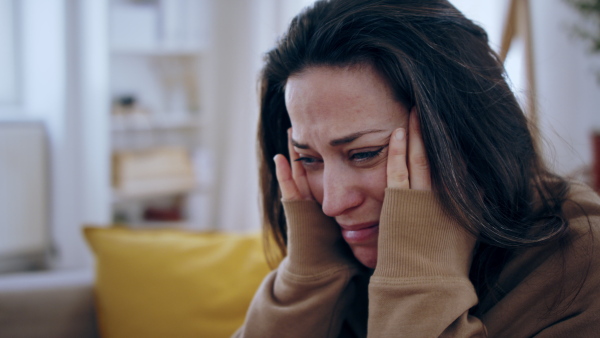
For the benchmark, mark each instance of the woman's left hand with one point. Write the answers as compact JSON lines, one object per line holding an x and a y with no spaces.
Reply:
{"x":407,"y":165}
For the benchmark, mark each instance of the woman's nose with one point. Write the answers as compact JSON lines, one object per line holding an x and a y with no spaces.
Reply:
{"x":340,"y":192}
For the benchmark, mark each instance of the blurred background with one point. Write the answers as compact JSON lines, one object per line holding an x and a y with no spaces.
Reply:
{"x":143,"y":112}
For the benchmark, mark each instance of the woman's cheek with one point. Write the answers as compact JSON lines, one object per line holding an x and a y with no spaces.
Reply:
{"x":315,"y":183}
{"x":375,"y":181}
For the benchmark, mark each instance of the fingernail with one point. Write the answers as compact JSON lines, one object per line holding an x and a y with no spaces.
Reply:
{"x":399,"y":134}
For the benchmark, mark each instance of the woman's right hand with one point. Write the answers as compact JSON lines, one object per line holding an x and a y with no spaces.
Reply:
{"x":315,"y":242}
{"x":292,"y":179}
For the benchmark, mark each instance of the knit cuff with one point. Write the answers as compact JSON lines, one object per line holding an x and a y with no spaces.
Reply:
{"x":418,"y":239}
{"x":315,"y":242}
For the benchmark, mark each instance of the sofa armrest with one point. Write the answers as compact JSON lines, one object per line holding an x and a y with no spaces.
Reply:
{"x":48,"y":304}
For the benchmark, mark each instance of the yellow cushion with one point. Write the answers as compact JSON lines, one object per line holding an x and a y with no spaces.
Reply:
{"x":170,"y":283}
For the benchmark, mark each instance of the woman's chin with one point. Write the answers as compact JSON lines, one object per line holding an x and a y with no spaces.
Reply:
{"x":366,"y":255}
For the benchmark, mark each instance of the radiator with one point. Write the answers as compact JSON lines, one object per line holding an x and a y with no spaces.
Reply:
{"x":24,"y":190}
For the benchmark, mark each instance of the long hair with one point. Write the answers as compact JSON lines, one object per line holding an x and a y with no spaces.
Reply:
{"x":485,"y":169}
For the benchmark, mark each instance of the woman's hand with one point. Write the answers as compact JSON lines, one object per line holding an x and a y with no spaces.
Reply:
{"x":315,"y":242}
{"x":292,"y":180}
{"x":411,"y":173}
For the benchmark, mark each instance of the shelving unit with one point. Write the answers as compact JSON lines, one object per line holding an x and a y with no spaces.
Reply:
{"x":156,"y":61}
{"x":159,"y":50}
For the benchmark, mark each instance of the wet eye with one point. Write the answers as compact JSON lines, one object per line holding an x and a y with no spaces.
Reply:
{"x":309,"y":162}
{"x":366,"y":155}
{"x":306,"y":160}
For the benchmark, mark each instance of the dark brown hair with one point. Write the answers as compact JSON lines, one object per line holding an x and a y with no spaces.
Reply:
{"x":485,"y":169}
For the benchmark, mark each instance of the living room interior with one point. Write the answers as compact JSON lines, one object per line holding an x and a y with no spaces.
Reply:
{"x":127,"y":123}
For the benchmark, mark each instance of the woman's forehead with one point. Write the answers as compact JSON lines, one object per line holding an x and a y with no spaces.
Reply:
{"x":339,"y":101}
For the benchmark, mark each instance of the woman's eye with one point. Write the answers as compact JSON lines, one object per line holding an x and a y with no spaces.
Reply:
{"x":308,"y":162}
{"x":305,"y":160}
{"x":366,"y":155}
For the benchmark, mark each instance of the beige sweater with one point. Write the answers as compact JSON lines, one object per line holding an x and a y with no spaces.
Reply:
{"x":420,"y":287}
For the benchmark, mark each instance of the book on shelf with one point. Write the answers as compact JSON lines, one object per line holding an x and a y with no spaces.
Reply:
{"x":152,"y":172}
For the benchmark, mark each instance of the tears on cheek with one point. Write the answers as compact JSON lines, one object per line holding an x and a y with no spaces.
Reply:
{"x":315,"y":183}
{"x":375,"y":181}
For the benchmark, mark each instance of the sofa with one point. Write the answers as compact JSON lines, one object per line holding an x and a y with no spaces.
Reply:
{"x":146,"y":283}
{"x":52,"y":304}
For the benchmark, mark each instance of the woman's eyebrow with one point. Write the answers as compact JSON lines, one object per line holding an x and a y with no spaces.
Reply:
{"x":350,"y":138}
{"x":299,"y":145}
{"x":342,"y":140}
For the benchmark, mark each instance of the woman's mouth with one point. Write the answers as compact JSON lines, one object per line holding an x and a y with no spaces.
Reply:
{"x":360,"y":233}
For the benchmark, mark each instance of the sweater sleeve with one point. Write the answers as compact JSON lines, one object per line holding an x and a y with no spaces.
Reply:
{"x":421,"y":287}
{"x":309,"y":293}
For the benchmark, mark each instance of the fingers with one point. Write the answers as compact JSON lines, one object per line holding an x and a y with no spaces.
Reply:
{"x":289,"y":191}
{"x":407,"y":166}
{"x":292,"y":179}
{"x":397,"y":171}
{"x":418,"y":166}
{"x":298,"y":172}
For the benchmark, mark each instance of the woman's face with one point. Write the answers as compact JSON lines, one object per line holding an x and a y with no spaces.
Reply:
{"x":342,"y":119}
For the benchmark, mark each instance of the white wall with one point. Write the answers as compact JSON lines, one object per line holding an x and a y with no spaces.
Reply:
{"x":64,"y":85}
{"x":45,"y":97}
{"x":243,"y":32}
{"x":568,"y":93}
{"x":8,"y":62}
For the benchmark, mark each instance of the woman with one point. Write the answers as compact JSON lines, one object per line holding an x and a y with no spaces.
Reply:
{"x":402,"y":184}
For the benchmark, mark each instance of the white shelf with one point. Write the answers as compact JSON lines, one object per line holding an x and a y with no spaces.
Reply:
{"x":157,"y":58}
{"x":124,"y":197}
{"x":120,"y":196}
{"x":164,"y":50}
{"x":149,"y":123}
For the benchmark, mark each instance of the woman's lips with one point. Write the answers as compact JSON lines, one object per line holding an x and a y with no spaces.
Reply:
{"x":360,"y":233}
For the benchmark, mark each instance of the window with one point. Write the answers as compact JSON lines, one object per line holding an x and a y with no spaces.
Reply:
{"x":9,"y":91}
